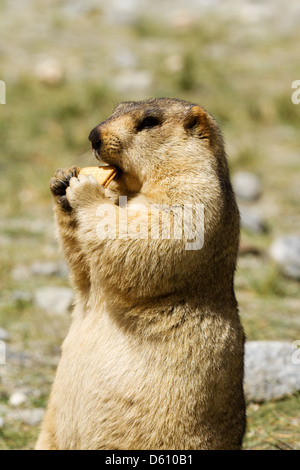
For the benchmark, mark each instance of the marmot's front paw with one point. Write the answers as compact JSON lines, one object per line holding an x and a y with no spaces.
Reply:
{"x":84,"y":190}
{"x":59,"y":184}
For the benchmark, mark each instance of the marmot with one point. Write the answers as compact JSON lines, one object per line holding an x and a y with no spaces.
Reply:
{"x":154,"y":355}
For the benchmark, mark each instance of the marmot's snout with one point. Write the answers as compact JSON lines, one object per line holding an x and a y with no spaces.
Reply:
{"x":95,"y":138}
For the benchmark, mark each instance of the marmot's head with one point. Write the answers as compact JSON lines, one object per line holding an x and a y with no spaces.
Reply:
{"x":157,"y":138}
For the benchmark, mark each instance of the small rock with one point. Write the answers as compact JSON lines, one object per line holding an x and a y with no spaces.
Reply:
{"x":4,"y":335}
{"x":31,"y":417}
{"x":132,"y":81}
{"x":57,"y":300}
{"x":49,"y":71}
{"x":251,"y":220}
{"x":182,"y":19}
{"x":272,"y":370}
{"x":20,"y":272}
{"x":17,"y":399}
{"x":34,"y":416}
{"x":246,"y":185}
{"x":285,"y":251}
{"x":39,"y":268}
{"x":120,"y":12}
{"x":174,"y":63}
{"x":21,"y":296}
{"x":124,"y":58}
{"x":48,"y":268}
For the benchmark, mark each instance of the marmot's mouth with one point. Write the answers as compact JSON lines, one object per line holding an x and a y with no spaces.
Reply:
{"x":96,"y":153}
{"x":99,"y":158}
{"x":104,"y":162}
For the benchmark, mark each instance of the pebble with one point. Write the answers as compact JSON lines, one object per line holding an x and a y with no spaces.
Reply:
{"x":174,"y":63}
{"x":285,"y":251}
{"x":17,"y":399}
{"x":4,"y":335}
{"x":21,"y":296}
{"x":272,"y":370}
{"x":57,"y":300}
{"x":120,"y":12}
{"x":137,"y":81}
{"x":251,"y":220}
{"x":20,"y":272}
{"x":124,"y":58}
{"x":49,"y":71}
{"x":182,"y":19}
{"x":31,"y":417}
{"x":48,"y":269}
{"x":246,"y":185}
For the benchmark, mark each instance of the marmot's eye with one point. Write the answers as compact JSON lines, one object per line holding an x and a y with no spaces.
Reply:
{"x":148,"y":123}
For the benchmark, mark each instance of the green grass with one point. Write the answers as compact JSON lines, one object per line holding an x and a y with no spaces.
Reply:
{"x":274,"y":425}
{"x":18,"y":436}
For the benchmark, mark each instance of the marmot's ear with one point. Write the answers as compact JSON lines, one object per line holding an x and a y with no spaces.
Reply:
{"x":198,"y":122}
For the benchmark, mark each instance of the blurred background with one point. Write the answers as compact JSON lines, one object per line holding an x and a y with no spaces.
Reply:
{"x":66,"y":64}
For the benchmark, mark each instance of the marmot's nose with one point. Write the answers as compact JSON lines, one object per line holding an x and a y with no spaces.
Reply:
{"x":95,"y":138}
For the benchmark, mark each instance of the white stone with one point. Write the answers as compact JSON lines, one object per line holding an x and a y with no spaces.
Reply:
{"x":32,"y":417}
{"x":285,"y":251}
{"x":252,"y":220}
{"x":246,"y":185}
{"x":272,"y":370}
{"x":49,"y":71}
{"x":48,"y":269}
{"x":4,"y":335}
{"x":132,"y":81}
{"x":17,"y":399}
{"x":56,"y":300}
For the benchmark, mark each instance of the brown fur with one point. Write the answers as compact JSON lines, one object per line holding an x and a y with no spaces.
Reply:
{"x":154,"y":355}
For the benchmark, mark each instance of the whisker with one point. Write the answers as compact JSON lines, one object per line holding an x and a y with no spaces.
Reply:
{"x":87,"y":155}
{"x":85,"y":152}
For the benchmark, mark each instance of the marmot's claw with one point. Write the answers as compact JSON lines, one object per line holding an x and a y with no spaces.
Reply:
{"x":58,"y":187}
{"x":60,"y":182}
